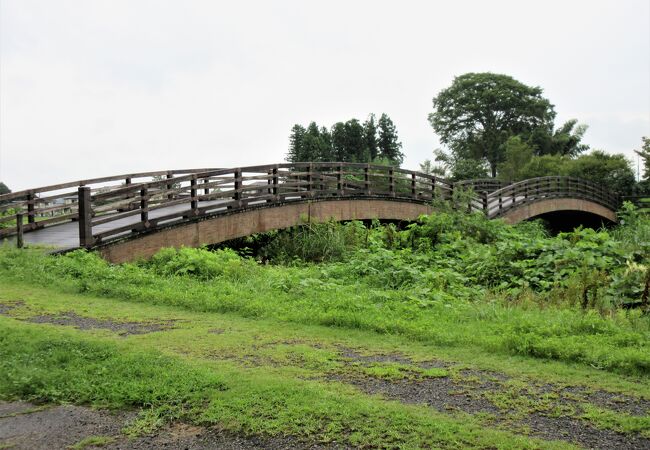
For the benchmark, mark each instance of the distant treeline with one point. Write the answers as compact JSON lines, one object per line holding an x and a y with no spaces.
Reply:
{"x":350,"y":141}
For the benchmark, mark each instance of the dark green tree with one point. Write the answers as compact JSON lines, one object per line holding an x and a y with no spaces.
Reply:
{"x":566,"y":140}
{"x":327,"y":153}
{"x":477,"y":114}
{"x":612,"y":171}
{"x":349,"y":141}
{"x":517,"y":155}
{"x":388,"y":143}
{"x":4,"y":189}
{"x":355,"y":148}
{"x":370,"y":137}
{"x":543,"y":166}
{"x":296,"y":139}
{"x":313,"y":144}
{"x":339,"y":142}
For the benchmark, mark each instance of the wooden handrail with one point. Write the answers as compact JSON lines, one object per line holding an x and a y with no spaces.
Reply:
{"x":192,"y":193}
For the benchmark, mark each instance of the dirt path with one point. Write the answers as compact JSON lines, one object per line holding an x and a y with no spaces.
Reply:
{"x":546,"y":411}
{"x":25,"y":426}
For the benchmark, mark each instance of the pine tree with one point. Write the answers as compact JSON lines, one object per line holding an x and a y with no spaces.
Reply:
{"x":354,"y":142}
{"x":296,"y":143}
{"x":370,"y":137}
{"x":389,"y":145}
{"x":326,"y":152}
{"x":312,"y":144}
{"x":339,"y":142}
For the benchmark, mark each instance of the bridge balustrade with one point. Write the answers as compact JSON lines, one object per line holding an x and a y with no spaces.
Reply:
{"x":113,"y":207}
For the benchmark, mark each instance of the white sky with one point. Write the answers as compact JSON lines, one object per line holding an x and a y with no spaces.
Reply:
{"x":91,"y":88}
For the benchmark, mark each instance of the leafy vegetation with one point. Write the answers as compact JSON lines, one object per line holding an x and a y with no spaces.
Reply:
{"x":451,"y":279}
{"x":268,"y":339}
{"x":495,"y":125}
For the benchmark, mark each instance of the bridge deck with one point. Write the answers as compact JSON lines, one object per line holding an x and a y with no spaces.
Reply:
{"x":66,"y":235}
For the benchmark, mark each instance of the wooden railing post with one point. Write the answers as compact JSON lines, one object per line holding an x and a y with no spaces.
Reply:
{"x":194,"y":204}
{"x":206,"y":191}
{"x":433,"y":187}
{"x":339,"y":180}
{"x":31,"y":198}
{"x":413,"y":190}
{"x":85,"y":217}
{"x":310,"y":180}
{"x":127,"y":182}
{"x":366,"y":179}
{"x":170,"y":185}
{"x":391,"y":182}
{"x":19,"y":230}
{"x":484,"y":198}
{"x":237,"y":185}
{"x":275,"y":182}
{"x":144,"y":206}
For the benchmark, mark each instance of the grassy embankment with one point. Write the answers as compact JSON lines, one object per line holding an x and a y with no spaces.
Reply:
{"x":303,"y":349}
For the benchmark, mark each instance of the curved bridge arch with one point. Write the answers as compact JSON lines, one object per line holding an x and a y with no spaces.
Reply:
{"x":539,"y":208}
{"x":224,"y":227}
{"x":128,"y":216}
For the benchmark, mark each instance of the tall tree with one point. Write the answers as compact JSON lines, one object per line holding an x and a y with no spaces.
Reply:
{"x":339,"y":142}
{"x":296,"y":138}
{"x":326,"y":152}
{"x":355,"y":148}
{"x":644,"y":153}
{"x":477,"y":114}
{"x":316,"y":147}
{"x":389,"y":144}
{"x":370,"y":137}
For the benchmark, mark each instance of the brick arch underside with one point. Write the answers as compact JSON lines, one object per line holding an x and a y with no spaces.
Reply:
{"x":533,"y":210}
{"x":239,"y":224}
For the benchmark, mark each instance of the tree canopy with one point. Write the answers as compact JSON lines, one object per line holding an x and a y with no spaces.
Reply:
{"x":4,"y":189}
{"x":479,"y":112}
{"x":614,"y":170}
{"x":350,"y":141}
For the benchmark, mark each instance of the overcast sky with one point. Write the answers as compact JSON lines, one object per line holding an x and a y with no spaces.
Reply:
{"x":92,"y":88}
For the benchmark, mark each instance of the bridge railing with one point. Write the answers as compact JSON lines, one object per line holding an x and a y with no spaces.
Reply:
{"x":528,"y":191}
{"x":109,"y":212}
{"x":113,"y":207}
{"x":58,"y":203}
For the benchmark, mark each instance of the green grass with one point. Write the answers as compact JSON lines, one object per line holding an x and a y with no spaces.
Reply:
{"x":92,"y":441}
{"x":263,"y":376}
{"x":46,"y":364}
{"x":619,"y":342}
{"x":503,"y":316}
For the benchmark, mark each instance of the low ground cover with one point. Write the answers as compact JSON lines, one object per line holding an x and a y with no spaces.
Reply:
{"x":455,"y":332}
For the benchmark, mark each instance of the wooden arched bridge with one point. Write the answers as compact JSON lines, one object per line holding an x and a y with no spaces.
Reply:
{"x":132,"y":216}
